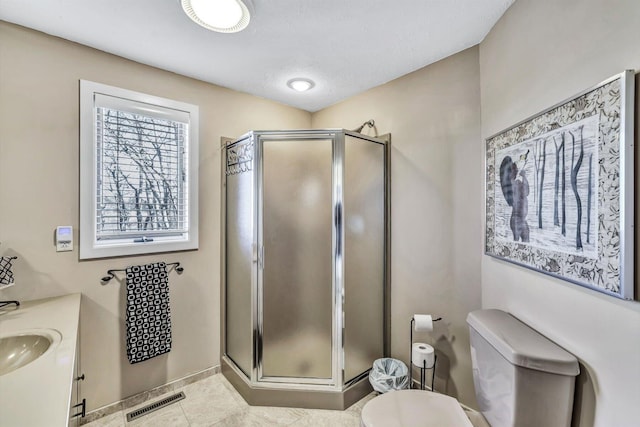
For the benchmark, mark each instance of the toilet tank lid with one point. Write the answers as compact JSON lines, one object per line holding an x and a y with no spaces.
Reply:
{"x":521,"y":345}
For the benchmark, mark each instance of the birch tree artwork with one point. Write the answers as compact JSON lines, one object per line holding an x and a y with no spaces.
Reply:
{"x":561,"y":187}
{"x":558,"y":186}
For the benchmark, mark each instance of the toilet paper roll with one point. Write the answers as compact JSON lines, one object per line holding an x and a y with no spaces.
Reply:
{"x":423,"y":322}
{"x":421,"y":353}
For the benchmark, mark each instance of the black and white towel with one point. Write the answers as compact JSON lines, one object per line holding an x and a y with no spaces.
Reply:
{"x":148,"y":313}
{"x":6,"y":275}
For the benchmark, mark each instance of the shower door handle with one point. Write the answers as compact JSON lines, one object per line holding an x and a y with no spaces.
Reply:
{"x":261,"y":257}
{"x":338,"y":229}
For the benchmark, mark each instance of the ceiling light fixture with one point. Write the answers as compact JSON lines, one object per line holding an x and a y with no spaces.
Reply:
{"x":300,"y":85}
{"x":223,"y":16}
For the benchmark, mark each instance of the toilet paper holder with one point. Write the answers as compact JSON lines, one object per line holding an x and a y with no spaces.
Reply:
{"x":423,"y":368}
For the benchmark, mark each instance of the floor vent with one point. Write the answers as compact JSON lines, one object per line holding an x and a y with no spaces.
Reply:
{"x":154,"y":406}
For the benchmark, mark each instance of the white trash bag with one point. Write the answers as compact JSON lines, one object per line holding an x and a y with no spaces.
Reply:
{"x":389,"y":374}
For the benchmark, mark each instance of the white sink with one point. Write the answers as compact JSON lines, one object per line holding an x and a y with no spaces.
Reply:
{"x":38,"y":390}
{"x":22,"y":348}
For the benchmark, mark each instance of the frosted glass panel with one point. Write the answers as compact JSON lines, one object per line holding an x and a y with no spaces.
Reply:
{"x":297,"y":276}
{"x":364,"y":254}
{"x":239,"y":239}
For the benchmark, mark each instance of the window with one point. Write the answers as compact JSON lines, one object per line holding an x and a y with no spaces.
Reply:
{"x":138,"y":173}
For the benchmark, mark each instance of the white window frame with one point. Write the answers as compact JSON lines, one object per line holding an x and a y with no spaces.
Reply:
{"x":90,"y":247}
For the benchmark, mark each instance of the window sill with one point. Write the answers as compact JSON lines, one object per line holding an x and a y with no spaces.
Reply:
{"x":119,"y":248}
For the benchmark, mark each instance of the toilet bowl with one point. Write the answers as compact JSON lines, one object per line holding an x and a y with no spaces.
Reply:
{"x":516,"y":371}
{"x":413,"y":408}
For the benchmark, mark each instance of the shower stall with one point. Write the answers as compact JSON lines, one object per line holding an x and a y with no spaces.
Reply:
{"x":305,"y":265}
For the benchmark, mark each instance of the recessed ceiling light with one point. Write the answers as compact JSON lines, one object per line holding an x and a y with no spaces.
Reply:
{"x":223,"y":16}
{"x":300,"y":85}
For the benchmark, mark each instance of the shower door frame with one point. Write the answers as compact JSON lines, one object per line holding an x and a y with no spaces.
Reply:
{"x":336,"y":323}
{"x":336,"y":383}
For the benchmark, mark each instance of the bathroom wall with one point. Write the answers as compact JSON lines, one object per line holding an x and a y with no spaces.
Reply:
{"x":39,"y":98}
{"x":540,"y":53}
{"x":434,"y":117}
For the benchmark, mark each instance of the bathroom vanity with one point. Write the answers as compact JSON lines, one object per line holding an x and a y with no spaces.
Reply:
{"x":38,"y":363}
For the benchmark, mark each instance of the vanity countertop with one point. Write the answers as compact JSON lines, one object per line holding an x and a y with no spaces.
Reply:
{"x":39,"y":393}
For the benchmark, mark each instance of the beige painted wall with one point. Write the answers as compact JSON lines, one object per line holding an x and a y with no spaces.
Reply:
{"x":539,"y":53}
{"x":39,"y":98}
{"x":433,"y":115}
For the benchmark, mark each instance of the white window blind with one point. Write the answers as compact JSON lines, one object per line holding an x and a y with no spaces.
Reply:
{"x":140,"y":182}
{"x":143,"y":174}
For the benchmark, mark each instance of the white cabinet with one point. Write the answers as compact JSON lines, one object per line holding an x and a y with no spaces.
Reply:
{"x":77,"y":406}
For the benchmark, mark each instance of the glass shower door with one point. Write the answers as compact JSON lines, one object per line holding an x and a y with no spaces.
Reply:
{"x":364,"y":255}
{"x":296,"y":289}
{"x":239,"y":265}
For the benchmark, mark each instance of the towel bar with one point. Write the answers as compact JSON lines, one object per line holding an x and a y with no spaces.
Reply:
{"x":111,"y":274}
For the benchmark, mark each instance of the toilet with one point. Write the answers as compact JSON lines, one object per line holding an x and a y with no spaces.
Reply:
{"x":521,"y":379}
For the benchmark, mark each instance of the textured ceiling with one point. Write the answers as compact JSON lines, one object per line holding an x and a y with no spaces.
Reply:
{"x":345,"y":46}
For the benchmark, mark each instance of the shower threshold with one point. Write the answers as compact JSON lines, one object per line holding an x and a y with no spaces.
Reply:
{"x":295,"y":397}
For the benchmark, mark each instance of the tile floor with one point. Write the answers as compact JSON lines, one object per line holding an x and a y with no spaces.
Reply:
{"x":214,"y":402}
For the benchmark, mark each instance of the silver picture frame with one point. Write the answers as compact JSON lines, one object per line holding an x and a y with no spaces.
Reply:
{"x":559,"y":189}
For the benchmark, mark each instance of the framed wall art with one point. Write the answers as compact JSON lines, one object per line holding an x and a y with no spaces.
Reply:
{"x":559,"y":189}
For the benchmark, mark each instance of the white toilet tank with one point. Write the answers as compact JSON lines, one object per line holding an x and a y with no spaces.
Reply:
{"x":522,"y":379}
